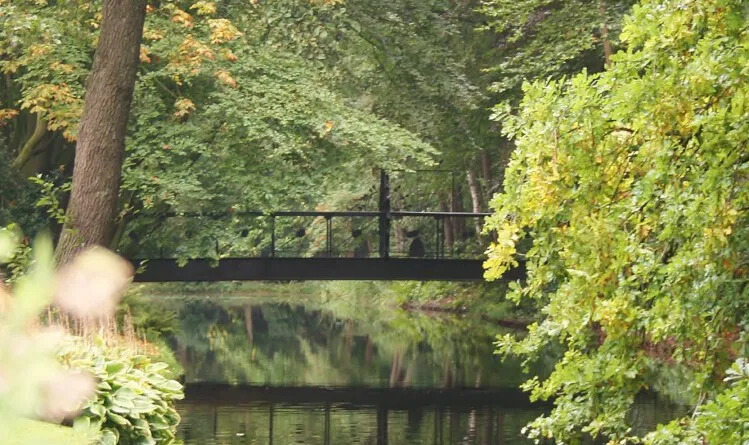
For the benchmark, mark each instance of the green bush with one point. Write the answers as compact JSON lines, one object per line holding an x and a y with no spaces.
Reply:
{"x":135,"y":399}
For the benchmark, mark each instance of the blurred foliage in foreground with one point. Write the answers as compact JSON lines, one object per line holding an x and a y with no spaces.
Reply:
{"x":632,"y":185}
{"x":49,"y":372}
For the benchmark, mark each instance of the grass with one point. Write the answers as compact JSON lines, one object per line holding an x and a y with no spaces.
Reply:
{"x":32,"y":432}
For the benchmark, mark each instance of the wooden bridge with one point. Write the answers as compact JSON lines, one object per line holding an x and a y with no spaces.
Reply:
{"x":319,"y":245}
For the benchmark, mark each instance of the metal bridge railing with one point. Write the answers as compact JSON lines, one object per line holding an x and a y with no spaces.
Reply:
{"x":307,"y":234}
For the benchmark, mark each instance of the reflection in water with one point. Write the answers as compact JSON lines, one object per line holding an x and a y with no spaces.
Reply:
{"x":288,"y":374}
{"x":281,"y":344}
{"x":319,"y":424}
{"x":386,"y":377}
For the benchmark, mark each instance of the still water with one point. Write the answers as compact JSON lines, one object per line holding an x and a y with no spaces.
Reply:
{"x":281,"y":373}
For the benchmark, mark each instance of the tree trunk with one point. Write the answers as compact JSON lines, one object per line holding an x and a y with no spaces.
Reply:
{"x":473,"y":187}
{"x":486,"y":173}
{"x":101,"y":138}
{"x":459,"y":224}
{"x":607,"y":50}
{"x":248,"y":324}
{"x":40,"y":130}
{"x":401,"y":240}
{"x":448,"y":226}
{"x":395,"y":369}
{"x":368,"y":353}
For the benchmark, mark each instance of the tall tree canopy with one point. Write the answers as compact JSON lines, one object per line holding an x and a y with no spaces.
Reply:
{"x":548,"y":38}
{"x":631,"y":186}
{"x":218,"y":105}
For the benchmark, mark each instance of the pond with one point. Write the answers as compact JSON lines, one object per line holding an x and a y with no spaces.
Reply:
{"x":260,"y":371}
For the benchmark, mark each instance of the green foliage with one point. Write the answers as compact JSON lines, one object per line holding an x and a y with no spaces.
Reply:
{"x":150,"y":318}
{"x":18,"y":197}
{"x":135,"y":398}
{"x":212,"y":89}
{"x":51,"y":195}
{"x":15,"y":256}
{"x":263,"y":106}
{"x":721,"y":420}
{"x":631,"y":185}
{"x":539,"y":39}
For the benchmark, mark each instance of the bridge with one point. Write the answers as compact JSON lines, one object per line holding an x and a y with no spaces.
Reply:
{"x":317,"y":245}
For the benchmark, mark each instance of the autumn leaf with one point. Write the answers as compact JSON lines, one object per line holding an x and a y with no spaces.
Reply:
{"x":183,"y":107}
{"x":226,"y":78}
{"x":204,"y":8}
{"x":6,"y":115}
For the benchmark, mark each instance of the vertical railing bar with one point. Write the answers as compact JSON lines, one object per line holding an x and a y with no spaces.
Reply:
{"x":273,"y":236}
{"x":329,"y":235}
{"x":441,"y":232}
{"x":436,"y":238}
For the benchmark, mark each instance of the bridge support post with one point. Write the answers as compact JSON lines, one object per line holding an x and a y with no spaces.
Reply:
{"x":384,"y":215}
{"x":273,"y":236}
{"x":329,"y":236}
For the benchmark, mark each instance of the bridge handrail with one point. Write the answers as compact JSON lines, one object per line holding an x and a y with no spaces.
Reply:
{"x":314,"y":213}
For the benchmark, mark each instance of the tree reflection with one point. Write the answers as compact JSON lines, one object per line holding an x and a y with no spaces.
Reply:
{"x":285,"y":344}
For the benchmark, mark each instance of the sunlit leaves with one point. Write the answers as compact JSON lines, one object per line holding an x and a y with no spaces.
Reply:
{"x":222,"y":31}
{"x":204,"y":8}
{"x":183,"y":18}
{"x":60,"y":106}
{"x":183,"y":107}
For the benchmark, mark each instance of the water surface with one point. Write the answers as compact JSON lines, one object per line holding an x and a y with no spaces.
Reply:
{"x":282,"y":373}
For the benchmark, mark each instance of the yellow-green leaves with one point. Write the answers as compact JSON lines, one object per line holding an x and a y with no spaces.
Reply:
{"x":204,"y":8}
{"x":502,"y":252}
{"x":632,"y":187}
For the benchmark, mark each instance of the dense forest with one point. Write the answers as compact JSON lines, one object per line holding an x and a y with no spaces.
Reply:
{"x":608,"y":139}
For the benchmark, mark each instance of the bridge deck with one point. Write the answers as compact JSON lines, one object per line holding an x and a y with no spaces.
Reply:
{"x":298,"y":269}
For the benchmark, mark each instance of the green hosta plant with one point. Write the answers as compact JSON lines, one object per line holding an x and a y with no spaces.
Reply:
{"x":135,"y":399}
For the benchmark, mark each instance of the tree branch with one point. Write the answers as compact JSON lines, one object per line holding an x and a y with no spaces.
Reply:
{"x":28,"y":148}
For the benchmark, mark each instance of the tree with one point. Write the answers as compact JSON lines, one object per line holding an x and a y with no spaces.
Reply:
{"x":216,"y":106}
{"x":538,"y":39}
{"x":101,"y":138}
{"x":630,"y":186}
